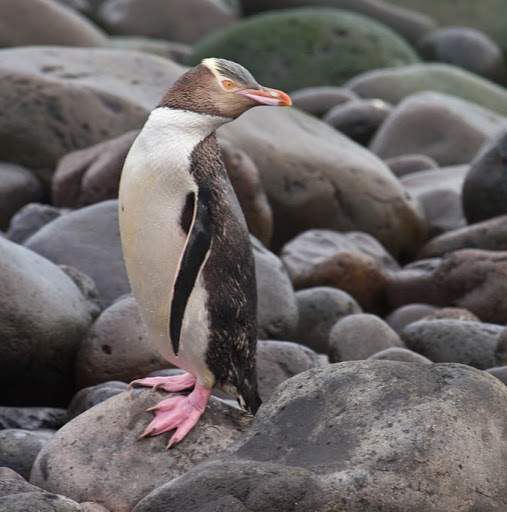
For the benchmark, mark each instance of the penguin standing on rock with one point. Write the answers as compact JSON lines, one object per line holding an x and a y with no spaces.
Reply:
{"x":186,"y":245}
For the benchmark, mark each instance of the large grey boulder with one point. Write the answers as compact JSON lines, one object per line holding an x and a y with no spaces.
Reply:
{"x":356,"y":436}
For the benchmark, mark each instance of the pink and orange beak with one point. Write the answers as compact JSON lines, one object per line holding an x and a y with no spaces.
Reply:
{"x":267,"y":96}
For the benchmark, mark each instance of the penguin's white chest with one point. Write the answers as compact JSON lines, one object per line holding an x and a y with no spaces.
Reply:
{"x":155,"y":182}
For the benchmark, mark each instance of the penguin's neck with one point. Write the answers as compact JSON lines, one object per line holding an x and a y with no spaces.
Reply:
{"x":183,"y":125}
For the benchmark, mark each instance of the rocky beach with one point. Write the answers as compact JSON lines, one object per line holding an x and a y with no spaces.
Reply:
{"x":377,"y":210}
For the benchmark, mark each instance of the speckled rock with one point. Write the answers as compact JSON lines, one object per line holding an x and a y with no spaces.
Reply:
{"x":89,"y":457}
{"x":315,"y":177}
{"x":360,"y":336}
{"x":318,"y":100}
{"x":407,"y":164}
{"x":359,"y":119}
{"x":44,"y":315}
{"x":307,"y":47}
{"x":327,"y":431}
{"x":29,"y":219}
{"x":319,"y":309}
{"x":13,"y":483}
{"x":394,"y":84}
{"x":83,"y":238}
{"x":19,"y":448}
{"x":405,"y":315}
{"x":32,"y":418}
{"x":61,"y":99}
{"x":460,"y":127}
{"x":485,"y":186}
{"x":401,"y":354}
{"x":18,"y":186}
{"x":280,"y":360}
{"x":446,"y":340}
{"x":467,"y":48}
{"x":117,"y":347}
{"x":452,"y":314}
{"x":439,"y":193}
{"x":166,"y":19}
{"x":39,"y":501}
{"x":470,"y":278}
{"x":45,"y":22}
{"x":353,"y":262}
{"x":277,"y":312}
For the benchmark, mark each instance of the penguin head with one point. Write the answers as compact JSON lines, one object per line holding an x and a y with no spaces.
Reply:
{"x":223,"y":88}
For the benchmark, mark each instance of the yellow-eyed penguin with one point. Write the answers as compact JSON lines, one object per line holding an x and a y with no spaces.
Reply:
{"x":186,"y":245}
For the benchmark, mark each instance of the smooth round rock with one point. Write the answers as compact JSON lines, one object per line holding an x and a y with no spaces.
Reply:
{"x":401,"y":354}
{"x":405,"y":315}
{"x":277,"y":312}
{"x":449,"y":340}
{"x":499,"y":372}
{"x":83,"y":238}
{"x":30,"y":219}
{"x":319,"y":309}
{"x":407,"y":164}
{"x":117,"y":347}
{"x":45,"y":22}
{"x":358,"y":119}
{"x":185,"y":22}
{"x":467,"y":48}
{"x":43,"y":318}
{"x":32,"y":418}
{"x":460,"y":127}
{"x":485,"y":186}
{"x":360,"y":336}
{"x":280,"y":360}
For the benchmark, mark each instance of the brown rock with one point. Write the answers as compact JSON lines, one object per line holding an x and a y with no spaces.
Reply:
{"x":353,"y":262}
{"x":246,"y":183}
{"x":319,"y":100}
{"x":117,"y":347}
{"x":471,"y":279}
{"x":91,"y":175}
{"x":453,"y":314}
{"x":490,"y":235}
{"x":448,"y":129}
{"x":186,"y":21}
{"x":315,"y":177}
{"x":89,"y":457}
{"x":45,"y":22}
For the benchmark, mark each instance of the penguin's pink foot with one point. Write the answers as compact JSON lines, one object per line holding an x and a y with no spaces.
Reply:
{"x":170,"y":384}
{"x":180,"y":412}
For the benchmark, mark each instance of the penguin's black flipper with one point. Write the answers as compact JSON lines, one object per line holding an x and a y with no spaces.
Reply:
{"x":195,"y":220}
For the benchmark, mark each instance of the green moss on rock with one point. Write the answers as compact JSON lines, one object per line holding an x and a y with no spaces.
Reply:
{"x":309,"y":46}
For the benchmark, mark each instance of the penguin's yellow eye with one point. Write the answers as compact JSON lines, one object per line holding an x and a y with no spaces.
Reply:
{"x":228,"y":85}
